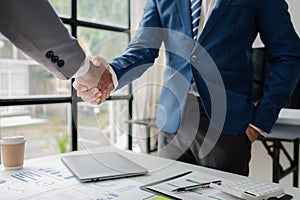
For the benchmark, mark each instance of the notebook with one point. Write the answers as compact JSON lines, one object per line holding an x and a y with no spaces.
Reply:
{"x":102,"y":166}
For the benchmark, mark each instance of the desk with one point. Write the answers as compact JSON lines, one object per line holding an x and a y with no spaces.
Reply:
{"x":159,"y":168}
{"x":286,"y":129}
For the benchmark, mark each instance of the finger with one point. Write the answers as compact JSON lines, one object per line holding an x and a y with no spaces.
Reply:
{"x":105,"y":85}
{"x":105,"y":92}
{"x":88,"y":93}
{"x":98,"y":94}
{"x":110,"y":88}
{"x":106,"y":95}
{"x":97,"y":98}
{"x":102,"y":98}
{"x":98,"y":61}
{"x":110,"y":91}
{"x":90,"y":99}
{"x":93,"y":100}
{"x":96,"y":102}
{"x":79,"y":87}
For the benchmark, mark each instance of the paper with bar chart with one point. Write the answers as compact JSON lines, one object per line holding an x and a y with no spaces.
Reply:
{"x":55,"y":181}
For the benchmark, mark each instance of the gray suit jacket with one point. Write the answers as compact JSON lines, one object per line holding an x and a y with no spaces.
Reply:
{"x":34,"y":27}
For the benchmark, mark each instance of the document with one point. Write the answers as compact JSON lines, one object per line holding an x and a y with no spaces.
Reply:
{"x":54,"y":181}
{"x":122,"y":189}
{"x":166,"y":186}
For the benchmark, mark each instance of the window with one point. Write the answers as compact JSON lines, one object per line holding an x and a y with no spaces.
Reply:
{"x":39,"y":106}
{"x":108,"y":12}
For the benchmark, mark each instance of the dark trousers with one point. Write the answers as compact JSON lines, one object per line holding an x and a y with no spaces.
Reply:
{"x":198,"y":144}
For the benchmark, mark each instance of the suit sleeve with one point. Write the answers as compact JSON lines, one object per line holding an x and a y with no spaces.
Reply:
{"x":283,"y":52}
{"x":143,"y":48}
{"x":35,"y":28}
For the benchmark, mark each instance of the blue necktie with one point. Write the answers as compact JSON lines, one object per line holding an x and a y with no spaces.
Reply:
{"x":195,"y":10}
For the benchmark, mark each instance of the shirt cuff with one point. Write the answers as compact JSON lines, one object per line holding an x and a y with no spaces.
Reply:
{"x":84,"y":68}
{"x":261,"y":132}
{"x":114,"y":77}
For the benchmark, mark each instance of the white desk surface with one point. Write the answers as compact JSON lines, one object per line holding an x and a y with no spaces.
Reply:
{"x":287,"y":126}
{"x":159,"y":168}
{"x":289,"y":117}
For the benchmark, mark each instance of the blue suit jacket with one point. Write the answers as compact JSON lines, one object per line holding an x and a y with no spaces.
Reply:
{"x":227,"y":38}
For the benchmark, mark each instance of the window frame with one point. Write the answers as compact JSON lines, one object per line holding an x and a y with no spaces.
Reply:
{"x":73,"y":99}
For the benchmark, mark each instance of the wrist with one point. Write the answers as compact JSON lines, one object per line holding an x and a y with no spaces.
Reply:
{"x":252,"y":133}
{"x":261,"y":132}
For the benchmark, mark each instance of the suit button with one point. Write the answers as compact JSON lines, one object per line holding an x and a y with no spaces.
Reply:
{"x":55,"y":59}
{"x":60,"y":63}
{"x":194,"y":58}
{"x":49,"y":54}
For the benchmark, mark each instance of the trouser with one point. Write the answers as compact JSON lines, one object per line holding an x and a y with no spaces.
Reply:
{"x":225,"y":152}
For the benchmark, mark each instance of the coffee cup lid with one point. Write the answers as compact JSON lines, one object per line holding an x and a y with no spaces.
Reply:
{"x":16,"y":139}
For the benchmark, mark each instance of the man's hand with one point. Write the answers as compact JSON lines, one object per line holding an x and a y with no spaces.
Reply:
{"x":96,"y":85}
{"x":252,"y":134}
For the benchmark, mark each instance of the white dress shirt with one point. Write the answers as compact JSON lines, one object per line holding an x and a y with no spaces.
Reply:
{"x":207,"y":7}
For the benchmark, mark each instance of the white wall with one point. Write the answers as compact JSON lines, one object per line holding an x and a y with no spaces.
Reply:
{"x":294,"y":8}
{"x":136,"y":7}
{"x":146,"y":89}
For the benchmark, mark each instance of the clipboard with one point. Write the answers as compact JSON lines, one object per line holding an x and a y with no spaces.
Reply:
{"x":157,"y":192}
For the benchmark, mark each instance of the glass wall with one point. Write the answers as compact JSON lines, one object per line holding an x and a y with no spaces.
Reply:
{"x":35,"y":104}
{"x":102,"y":125}
{"x":21,"y":77}
{"x":108,"y":12}
{"x":44,"y":126}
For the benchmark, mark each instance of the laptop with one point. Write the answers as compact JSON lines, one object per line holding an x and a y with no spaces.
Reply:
{"x":102,"y":166}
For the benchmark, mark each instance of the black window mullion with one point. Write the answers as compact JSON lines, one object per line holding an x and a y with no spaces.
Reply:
{"x":129,"y":91}
{"x":31,"y":101}
{"x":93,"y":25}
{"x":74,"y":102}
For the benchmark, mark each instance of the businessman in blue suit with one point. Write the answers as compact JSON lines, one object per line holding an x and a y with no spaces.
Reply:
{"x":226,"y":31}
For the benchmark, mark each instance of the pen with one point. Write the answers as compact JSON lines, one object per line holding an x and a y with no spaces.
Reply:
{"x":194,"y":187}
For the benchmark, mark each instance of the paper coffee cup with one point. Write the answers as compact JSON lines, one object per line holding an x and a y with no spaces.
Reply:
{"x":12,"y":152}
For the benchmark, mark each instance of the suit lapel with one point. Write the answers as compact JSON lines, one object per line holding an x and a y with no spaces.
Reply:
{"x":214,"y":17}
{"x":185,"y":16}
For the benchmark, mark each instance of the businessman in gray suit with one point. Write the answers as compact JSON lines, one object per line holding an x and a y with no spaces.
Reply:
{"x":34,"y":27}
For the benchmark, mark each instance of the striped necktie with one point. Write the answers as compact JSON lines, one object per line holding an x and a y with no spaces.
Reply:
{"x":195,"y":10}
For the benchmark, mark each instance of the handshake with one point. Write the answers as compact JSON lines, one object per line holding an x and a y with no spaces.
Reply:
{"x":96,"y":84}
